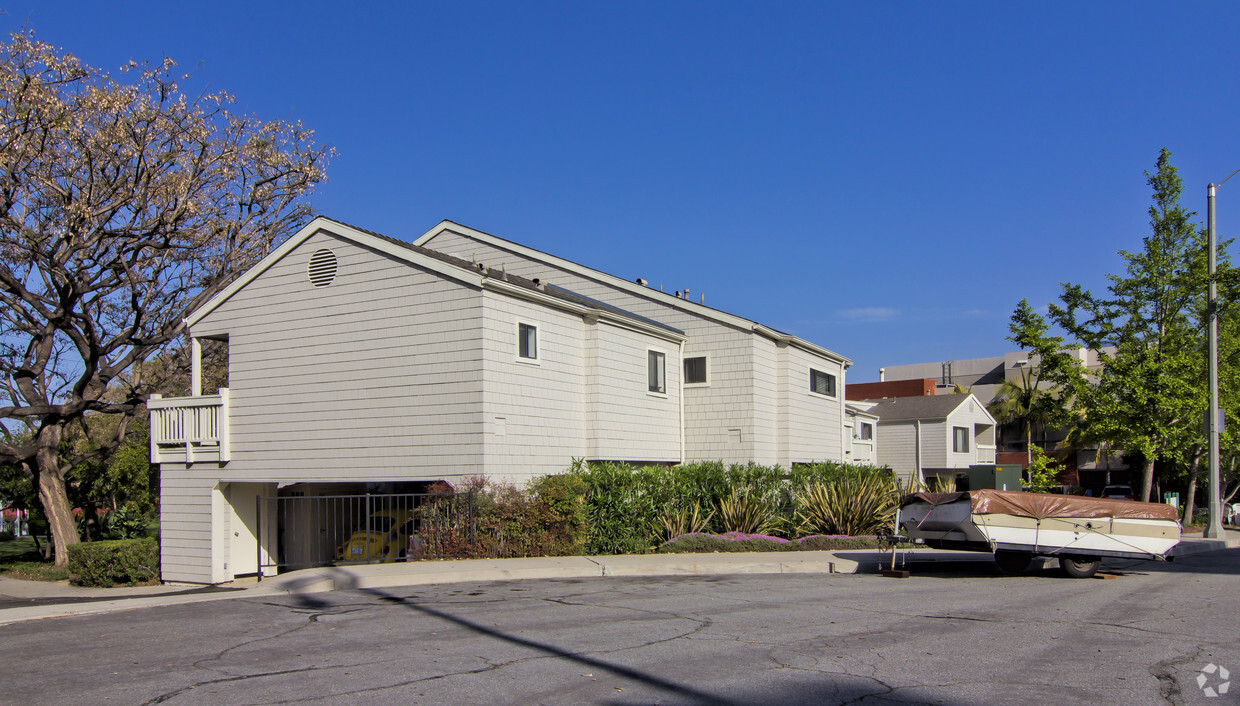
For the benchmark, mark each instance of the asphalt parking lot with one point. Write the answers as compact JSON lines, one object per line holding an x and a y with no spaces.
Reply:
{"x":952,"y":633}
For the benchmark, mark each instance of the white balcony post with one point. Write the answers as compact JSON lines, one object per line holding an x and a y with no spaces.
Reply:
{"x":223,"y":424}
{"x":157,"y":431}
{"x":195,"y":375}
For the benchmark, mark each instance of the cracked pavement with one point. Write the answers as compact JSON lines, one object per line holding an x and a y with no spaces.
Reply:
{"x":960,"y":635}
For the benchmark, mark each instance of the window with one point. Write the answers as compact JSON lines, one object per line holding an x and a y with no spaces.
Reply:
{"x":822,"y":383}
{"x":960,"y":440}
{"x":657,"y":371}
{"x":695,"y":370}
{"x":867,"y":431}
{"x":527,"y":341}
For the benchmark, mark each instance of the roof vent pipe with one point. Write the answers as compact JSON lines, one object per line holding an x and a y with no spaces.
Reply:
{"x":702,"y":298}
{"x":686,"y":292}
{"x":882,"y":374}
{"x":641,"y":281}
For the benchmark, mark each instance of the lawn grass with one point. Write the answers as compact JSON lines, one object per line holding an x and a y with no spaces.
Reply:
{"x":20,"y":559}
{"x":19,"y":549}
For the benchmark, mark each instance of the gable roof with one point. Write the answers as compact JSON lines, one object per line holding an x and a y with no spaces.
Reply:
{"x":632,"y":288}
{"x":930,"y":407}
{"x":475,"y":274}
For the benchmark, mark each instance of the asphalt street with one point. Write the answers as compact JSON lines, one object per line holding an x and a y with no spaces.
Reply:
{"x":952,"y":633}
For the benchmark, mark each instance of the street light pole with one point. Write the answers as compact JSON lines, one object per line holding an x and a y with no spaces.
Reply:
{"x":1215,"y":527}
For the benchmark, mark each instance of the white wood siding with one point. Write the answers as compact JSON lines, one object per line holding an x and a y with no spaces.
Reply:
{"x":741,"y":414}
{"x":815,"y":425}
{"x":542,"y":402}
{"x":377,"y":376}
{"x":632,"y":423}
{"x":968,"y":415}
{"x":897,"y":447}
{"x":186,"y":519}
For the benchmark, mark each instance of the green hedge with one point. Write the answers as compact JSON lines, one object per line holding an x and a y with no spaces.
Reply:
{"x":623,"y":503}
{"x":107,"y":563}
{"x":737,"y":542}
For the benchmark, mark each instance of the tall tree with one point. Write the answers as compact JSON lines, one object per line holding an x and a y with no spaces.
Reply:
{"x":1147,"y":396}
{"x":1040,"y":396}
{"x":124,"y":205}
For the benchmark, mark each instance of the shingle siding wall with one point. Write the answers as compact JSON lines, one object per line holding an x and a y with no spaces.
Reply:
{"x":541,"y":403}
{"x":814,"y":421}
{"x":632,"y":423}
{"x":719,"y":418}
{"x":186,"y":523}
{"x":897,"y":447}
{"x":377,"y":376}
{"x":967,"y":415}
{"x":736,"y":417}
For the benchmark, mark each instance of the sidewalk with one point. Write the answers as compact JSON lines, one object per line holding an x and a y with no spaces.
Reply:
{"x":34,"y":600}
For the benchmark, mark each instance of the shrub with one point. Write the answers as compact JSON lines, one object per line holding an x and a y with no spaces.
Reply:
{"x":547,"y":519}
{"x":831,"y":543}
{"x":109,"y":562}
{"x":625,"y":505}
{"x":750,"y":513}
{"x":732,"y":542}
{"x":129,"y":522}
{"x":677,"y":521}
{"x":6,"y":536}
{"x":741,"y":542}
{"x":855,"y":503}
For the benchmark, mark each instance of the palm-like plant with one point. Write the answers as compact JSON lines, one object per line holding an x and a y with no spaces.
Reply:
{"x":748,"y":513}
{"x":678,"y":521}
{"x":854,"y":504}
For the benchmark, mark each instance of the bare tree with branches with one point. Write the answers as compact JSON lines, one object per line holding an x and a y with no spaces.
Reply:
{"x":124,"y":205}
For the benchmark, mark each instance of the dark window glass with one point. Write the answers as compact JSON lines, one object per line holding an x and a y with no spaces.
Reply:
{"x":822,"y":383}
{"x":656,"y":366}
{"x":960,"y":440}
{"x":528,"y":336}
{"x":695,"y":370}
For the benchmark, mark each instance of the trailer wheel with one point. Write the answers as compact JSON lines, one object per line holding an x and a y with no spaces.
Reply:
{"x":1079,"y":567}
{"x":1011,"y":561}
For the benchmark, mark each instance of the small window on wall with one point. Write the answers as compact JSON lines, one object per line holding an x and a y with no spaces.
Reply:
{"x":822,"y":383}
{"x":527,"y":341}
{"x":960,"y":440}
{"x":657,"y":371}
{"x":695,"y":370}
{"x":867,"y":431}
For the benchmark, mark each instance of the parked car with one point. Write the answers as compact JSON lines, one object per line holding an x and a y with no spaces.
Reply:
{"x":385,"y":537}
{"x":1118,"y":492}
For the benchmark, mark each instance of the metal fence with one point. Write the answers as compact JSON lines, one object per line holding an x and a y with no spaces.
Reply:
{"x":298,"y":531}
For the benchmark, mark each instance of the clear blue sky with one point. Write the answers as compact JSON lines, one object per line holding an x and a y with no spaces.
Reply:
{"x":887,"y":180}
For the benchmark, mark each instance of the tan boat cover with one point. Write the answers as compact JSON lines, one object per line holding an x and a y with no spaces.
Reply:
{"x":1042,"y":505}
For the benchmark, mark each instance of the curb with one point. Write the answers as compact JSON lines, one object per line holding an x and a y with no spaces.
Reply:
{"x":336,"y":578}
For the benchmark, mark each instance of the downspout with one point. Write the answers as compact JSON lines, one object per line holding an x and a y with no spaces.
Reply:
{"x":681,"y":378}
{"x":917,"y":451}
{"x":843,"y":414}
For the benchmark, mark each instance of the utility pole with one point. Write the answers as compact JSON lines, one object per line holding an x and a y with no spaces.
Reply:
{"x":1215,"y":527}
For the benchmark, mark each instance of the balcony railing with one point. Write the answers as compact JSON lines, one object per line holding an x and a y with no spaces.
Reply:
{"x":985,"y":453}
{"x":189,"y":429}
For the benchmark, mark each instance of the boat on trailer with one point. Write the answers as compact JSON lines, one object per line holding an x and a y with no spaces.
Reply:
{"x":1018,"y":526}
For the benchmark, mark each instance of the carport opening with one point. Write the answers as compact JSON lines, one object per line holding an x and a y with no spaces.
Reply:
{"x":325,"y":524}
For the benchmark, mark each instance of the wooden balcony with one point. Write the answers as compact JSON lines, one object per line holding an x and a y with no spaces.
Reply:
{"x":189,"y":429}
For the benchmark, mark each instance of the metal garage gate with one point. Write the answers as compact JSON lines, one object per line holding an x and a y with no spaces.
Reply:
{"x":297,"y":531}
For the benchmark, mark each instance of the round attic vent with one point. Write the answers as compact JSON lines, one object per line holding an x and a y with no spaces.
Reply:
{"x":322,"y":268}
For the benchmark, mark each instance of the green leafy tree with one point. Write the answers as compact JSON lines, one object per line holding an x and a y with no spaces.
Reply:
{"x":1147,"y":396}
{"x":124,"y":205}
{"x":1043,"y":473}
{"x":1040,"y":397}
